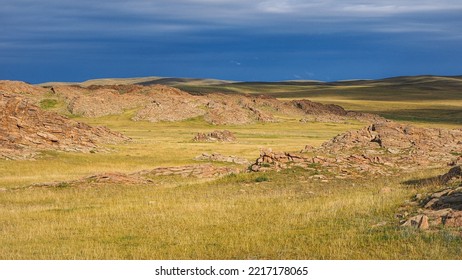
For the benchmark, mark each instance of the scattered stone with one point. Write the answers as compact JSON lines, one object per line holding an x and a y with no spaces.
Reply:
{"x":381,"y":224}
{"x":443,"y":207}
{"x":117,"y":178}
{"x":454,"y":219}
{"x":144,"y":177}
{"x":456,"y":161}
{"x":419,"y":221}
{"x":307,"y":148}
{"x":453,"y":173}
{"x":424,"y":223}
{"x":453,"y":176}
{"x":97,"y":179}
{"x":215,"y":136}
{"x":222,"y":158}
{"x":199,"y":171}
{"x":385,"y":190}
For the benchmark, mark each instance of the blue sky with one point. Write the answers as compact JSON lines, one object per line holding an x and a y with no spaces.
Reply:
{"x":266,"y":40}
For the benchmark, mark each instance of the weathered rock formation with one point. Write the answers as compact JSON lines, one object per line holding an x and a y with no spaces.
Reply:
{"x":330,"y":112}
{"x":383,"y":148}
{"x":26,"y":129}
{"x":98,"y":179}
{"x":222,"y":158}
{"x":395,"y":144}
{"x":145,"y":176}
{"x":18,"y":87}
{"x":156,"y":103}
{"x":215,"y":136}
{"x":443,"y":207}
{"x":235,"y":109}
{"x":197,"y":170}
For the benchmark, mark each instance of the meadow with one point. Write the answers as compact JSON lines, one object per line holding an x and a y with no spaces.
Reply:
{"x":273,"y":215}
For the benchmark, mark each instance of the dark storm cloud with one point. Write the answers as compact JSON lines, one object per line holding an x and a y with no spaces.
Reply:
{"x":195,"y":37}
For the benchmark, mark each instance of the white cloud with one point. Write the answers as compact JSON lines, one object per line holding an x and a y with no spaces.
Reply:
{"x":154,"y":17}
{"x":394,"y":9}
{"x":276,"y":6}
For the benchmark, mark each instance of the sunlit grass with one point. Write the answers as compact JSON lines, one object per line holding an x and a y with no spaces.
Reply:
{"x":286,"y":217}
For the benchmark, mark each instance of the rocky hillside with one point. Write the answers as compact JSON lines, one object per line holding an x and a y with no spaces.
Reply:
{"x":19,"y":87}
{"x":26,"y":129}
{"x":383,"y":148}
{"x":162,"y":103}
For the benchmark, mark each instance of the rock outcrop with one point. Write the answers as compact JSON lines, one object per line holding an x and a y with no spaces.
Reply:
{"x":198,"y":171}
{"x":26,"y":129}
{"x":441,"y":208}
{"x":215,"y":136}
{"x":18,"y":87}
{"x":330,"y":112}
{"x":394,"y":144}
{"x":383,"y":148}
{"x":144,"y":176}
{"x":157,"y":103}
{"x":222,"y":158}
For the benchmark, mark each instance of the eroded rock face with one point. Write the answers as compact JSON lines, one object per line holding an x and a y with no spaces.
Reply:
{"x":25,"y":129}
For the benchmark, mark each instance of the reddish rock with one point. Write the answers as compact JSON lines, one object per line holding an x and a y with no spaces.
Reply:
{"x":454,"y":219}
{"x":26,"y":129}
{"x":215,"y":136}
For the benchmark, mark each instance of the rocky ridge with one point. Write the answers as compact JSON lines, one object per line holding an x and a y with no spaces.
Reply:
{"x":382,"y":148}
{"x":18,"y":87}
{"x":26,"y":129}
{"x":156,"y":103}
{"x":145,"y":176}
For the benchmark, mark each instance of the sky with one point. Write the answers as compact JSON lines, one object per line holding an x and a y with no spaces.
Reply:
{"x":242,"y":40}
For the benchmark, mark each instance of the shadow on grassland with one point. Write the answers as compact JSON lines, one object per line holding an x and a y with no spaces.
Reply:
{"x":442,"y":116}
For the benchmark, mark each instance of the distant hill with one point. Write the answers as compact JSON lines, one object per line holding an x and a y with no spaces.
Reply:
{"x":142,"y":81}
{"x":278,"y":89}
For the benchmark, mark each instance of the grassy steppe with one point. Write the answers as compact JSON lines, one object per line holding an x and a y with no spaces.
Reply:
{"x":287,"y":217}
{"x":275,"y":215}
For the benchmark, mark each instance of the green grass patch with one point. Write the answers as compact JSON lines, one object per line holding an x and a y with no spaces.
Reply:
{"x":262,"y":179}
{"x":48,"y":103}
